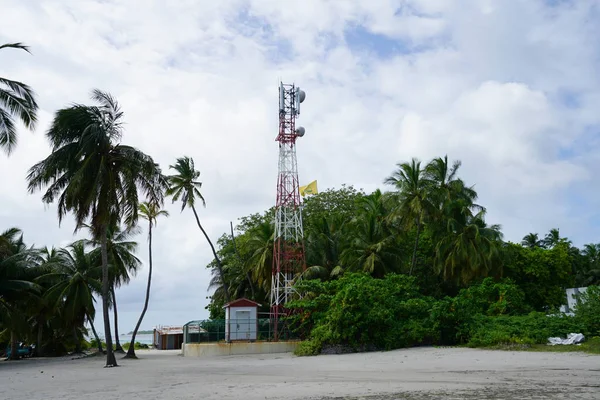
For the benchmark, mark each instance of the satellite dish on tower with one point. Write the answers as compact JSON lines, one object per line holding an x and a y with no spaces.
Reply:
{"x":301,"y":95}
{"x":300,"y":131}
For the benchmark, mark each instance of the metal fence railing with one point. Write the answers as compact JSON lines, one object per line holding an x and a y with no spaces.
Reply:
{"x":220,"y":330}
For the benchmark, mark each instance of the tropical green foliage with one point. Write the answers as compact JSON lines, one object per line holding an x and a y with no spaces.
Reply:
{"x":17,"y":100}
{"x":534,"y":328}
{"x":46,"y":295}
{"x":588,"y":311}
{"x":361,"y":312}
{"x":429,"y":227}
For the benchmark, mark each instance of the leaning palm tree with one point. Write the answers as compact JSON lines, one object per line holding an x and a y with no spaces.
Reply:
{"x":91,"y":174}
{"x":413,"y":201}
{"x":149,"y":211}
{"x":185,"y":186}
{"x":17,"y":100}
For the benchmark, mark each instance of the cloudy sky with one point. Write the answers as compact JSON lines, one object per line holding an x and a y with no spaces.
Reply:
{"x":509,"y":87}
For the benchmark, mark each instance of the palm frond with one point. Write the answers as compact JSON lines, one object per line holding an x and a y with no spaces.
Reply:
{"x":17,"y":45}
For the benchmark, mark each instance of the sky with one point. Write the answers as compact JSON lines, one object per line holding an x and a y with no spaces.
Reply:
{"x":510,"y":88}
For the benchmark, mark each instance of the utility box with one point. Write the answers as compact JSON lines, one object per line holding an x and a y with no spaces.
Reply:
{"x":241,"y":320}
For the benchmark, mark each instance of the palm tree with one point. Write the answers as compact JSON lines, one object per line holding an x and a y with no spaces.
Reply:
{"x":372,"y":247}
{"x":260,"y":247}
{"x":446,"y":185}
{"x":553,"y":238}
{"x":532,"y":241}
{"x":150,"y":211}
{"x":591,"y":276}
{"x":15,"y":285}
{"x":122,"y":264}
{"x":77,"y":278}
{"x":91,"y":174}
{"x":17,"y":100}
{"x":43,"y":309}
{"x":470,"y":248}
{"x":324,"y":244}
{"x":413,"y":202}
{"x":185,"y":186}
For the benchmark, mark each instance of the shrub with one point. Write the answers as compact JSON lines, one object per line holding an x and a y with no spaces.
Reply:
{"x":525,"y":329}
{"x":363,"y":312}
{"x":308,"y":348}
{"x":454,"y":318}
{"x":588,"y":311}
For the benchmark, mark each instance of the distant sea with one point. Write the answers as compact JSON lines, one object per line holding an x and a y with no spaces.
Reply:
{"x":144,"y":339}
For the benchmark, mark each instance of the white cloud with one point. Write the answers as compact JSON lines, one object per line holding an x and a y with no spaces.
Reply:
{"x":491,"y":86}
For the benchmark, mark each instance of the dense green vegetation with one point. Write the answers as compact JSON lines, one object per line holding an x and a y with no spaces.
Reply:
{"x":417,"y":264}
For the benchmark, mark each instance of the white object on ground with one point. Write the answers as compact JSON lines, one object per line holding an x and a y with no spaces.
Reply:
{"x":572,"y":338}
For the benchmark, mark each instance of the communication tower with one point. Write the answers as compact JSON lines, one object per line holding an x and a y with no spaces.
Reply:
{"x":288,"y":247}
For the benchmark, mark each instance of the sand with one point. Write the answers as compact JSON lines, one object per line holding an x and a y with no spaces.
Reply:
{"x":419,"y":373}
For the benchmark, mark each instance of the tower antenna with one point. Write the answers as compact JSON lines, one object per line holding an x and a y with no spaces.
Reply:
{"x":288,"y":246}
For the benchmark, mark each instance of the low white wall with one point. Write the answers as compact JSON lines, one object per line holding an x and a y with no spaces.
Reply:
{"x":237,"y":348}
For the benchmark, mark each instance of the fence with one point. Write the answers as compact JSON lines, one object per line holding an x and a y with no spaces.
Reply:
{"x":220,"y":330}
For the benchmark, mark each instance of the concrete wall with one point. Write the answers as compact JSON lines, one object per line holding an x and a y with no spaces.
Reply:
{"x":237,"y":348}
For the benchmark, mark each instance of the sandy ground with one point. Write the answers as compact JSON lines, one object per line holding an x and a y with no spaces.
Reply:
{"x":421,"y":373}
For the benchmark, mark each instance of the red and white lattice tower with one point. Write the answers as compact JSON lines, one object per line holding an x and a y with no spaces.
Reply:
{"x":288,"y":247}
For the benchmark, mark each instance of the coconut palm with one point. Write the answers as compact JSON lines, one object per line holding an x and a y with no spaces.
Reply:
{"x":591,"y":276}
{"x":43,"y":310}
{"x":372,"y":247}
{"x":470,"y":248}
{"x":77,"y":278}
{"x":532,"y":241}
{"x":184,"y":186}
{"x":553,"y":238}
{"x":324,"y":244}
{"x":123,"y":264}
{"x":15,"y":285}
{"x":413,"y":201}
{"x":150,"y":211}
{"x":17,"y":100}
{"x":446,"y":185}
{"x":260,"y":247}
{"x":91,"y":174}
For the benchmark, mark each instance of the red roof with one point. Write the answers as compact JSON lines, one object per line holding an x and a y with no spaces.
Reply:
{"x":243,"y":302}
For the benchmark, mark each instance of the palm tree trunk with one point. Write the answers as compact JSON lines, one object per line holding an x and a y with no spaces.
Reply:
{"x":241,"y":261}
{"x":111,"y":361}
{"x":14,"y":346}
{"x":414,"y":255}
{"x":131,"y":349}
{"x":40,"y":334}
{"x":219,"y":266}
{"x":118,"y":347}
{"x":77,"y":341}
{"x":95,"y":334}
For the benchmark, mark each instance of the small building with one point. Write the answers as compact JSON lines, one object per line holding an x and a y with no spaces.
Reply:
{"x":241,"y":320}
{"x":572,"y":299}
{"x":168,"y":337}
